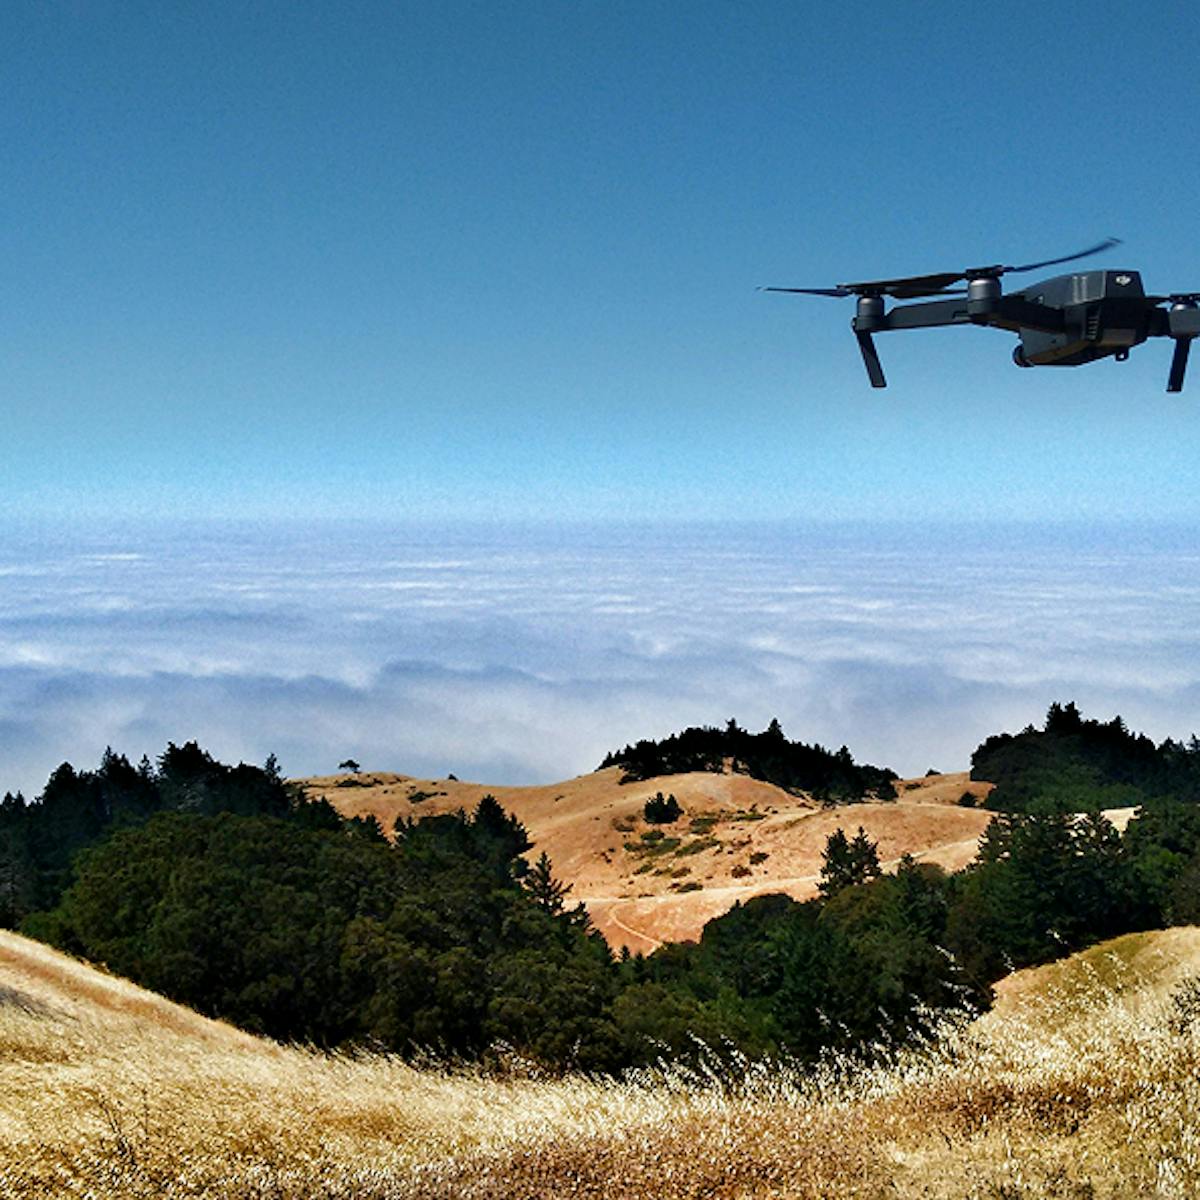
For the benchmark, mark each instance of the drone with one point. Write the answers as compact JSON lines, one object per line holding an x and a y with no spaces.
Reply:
{"x":1064,"y":321}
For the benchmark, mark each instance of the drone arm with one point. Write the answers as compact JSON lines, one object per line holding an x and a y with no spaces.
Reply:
{"x":925,"y":316}
{"x":1181,"y":321}
{"x":872,"y":319}
{"x":1010,"y":312}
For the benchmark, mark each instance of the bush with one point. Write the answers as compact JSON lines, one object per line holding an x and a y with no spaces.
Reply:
{"x":415,"y":797}
{"x":699,"y":846}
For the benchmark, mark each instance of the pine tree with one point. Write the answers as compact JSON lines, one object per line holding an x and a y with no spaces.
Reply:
{"x":864,"y":857}
{"x":660,"y":810}
{"x":546,"y":891}
{"x":846,"y":863}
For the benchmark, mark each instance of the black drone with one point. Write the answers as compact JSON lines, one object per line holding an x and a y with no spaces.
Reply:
{"x":1061,"y":322}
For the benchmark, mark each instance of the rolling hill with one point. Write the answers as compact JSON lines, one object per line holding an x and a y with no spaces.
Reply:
{"x":1085,"y":1081}
{"x":738,"y":837}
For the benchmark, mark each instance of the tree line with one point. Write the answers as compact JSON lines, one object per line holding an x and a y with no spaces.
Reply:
{"x":830,"y":776}
{"x":224,"y":888}
{"x":1076,"y":763}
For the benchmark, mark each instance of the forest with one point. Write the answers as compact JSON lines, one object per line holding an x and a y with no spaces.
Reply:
{"x":1074,"y":764}
{"x":832,"y":777}
{"x":221,"y":887}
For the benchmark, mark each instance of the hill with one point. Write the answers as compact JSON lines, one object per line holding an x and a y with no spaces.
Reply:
{"x":738,"y":837}
{"x":1084,"y":1082}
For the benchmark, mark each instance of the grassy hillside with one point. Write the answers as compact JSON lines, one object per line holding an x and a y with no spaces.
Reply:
{"x":1084,"y":1082}
{"x":738,"y":837}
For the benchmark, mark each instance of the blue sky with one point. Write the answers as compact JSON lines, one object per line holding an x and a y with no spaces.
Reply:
{"x":468,"y":259}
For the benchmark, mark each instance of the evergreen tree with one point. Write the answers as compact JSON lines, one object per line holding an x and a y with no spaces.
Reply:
{"x":499,"y":837}
{"x":864,"y":857}
{"x":547,"y":892}
{"x":660,"y":810}
{"x":846,"y":862}
{"x":835,"y":864}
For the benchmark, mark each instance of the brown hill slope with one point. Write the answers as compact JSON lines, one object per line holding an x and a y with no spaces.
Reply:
{"x":738,"y":837}
{"x":1085,"y":1082}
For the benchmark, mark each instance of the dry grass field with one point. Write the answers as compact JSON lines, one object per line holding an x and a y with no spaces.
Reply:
{"x":1084,"y":1082}
{"x":738,"y":837}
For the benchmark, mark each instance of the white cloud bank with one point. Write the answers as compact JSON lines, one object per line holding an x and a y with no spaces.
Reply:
{"x":523,"y":655}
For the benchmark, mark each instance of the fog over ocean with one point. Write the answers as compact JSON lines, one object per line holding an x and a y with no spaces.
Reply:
{"x":515,"y":654}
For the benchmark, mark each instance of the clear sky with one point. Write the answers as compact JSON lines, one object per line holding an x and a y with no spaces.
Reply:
{"x":475,"y":258}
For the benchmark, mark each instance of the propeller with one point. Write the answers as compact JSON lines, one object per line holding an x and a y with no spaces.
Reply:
{"x":994,"y":272}
{"x":912,"y":287}
{"x":899,"y":289}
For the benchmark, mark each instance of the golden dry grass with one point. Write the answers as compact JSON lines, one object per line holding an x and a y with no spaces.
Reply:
{"x":756,"y":837}
{"x":1084,"y":1083}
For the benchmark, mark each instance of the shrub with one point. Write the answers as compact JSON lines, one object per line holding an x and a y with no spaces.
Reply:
{"x":415,"y":797}
{"x":699,"y":846}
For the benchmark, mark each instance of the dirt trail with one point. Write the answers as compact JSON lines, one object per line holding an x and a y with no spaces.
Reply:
{"x":613,"y":914}
{"x":649,"y":943}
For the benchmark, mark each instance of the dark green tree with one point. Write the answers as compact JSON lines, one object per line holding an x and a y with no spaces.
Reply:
{"x":660,"y":810}
{"x":499,"y":837}
{"x":846,"y":862}
{"x":547,"y":892}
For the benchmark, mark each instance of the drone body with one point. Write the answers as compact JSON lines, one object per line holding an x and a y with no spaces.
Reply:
{"x":1064,"y":321}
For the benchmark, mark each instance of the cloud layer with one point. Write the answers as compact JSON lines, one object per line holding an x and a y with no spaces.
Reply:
{"x":520,"y":655}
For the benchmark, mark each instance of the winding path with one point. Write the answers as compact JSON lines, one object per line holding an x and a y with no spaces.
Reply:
{"x":614,"y":906}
